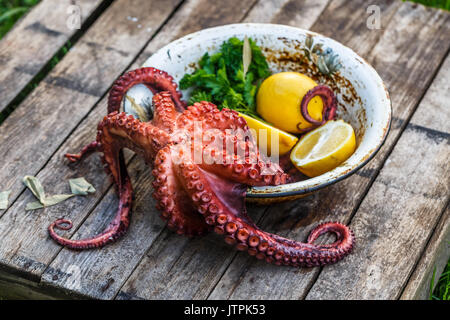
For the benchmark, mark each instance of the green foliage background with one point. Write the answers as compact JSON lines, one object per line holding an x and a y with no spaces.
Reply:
{"x":11,"y":11}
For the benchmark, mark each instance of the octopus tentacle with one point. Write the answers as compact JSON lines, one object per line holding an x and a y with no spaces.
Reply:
{"x":176,"y":208}
{"x":240,"y":231}
{"x":329,"y":105}
{"x":121,"y":221}
{"x":87,"y":150}
{"x":195,"y":198}
{"x":115,"y":230}
{"x":141,"y":137}
{"x":165,"y":114}
{"x":224,"y":119}
{"x":111,"y":135}
{"x":156,"y":80}
{"x":243,"y":163}
{"x":251,"y":174}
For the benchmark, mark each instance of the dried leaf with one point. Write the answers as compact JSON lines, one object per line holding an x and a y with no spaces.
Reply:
{"x":137,"y":110}
{"x":48,"y":201}
{"x":309,"y":41}
{"x":80,"y":186}
{"x":35,"y":186}
{"x":55,"y":199}
{"x":4,"y":195}
{"x":33,"y":205}
{"x":246,"y":55}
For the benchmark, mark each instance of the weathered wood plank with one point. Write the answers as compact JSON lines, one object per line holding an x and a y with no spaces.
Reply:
{"x":419,"y":53}
{"x":104,"y":271}
{"x":32,"y":133}
{"x":347,"y":22}
{"x":138,"y":284}
{"x":438,"y":250}
{"x":301,"y":14}
{"x":176,"y":267}
{"x":99,"y":273}
{"x":34,"y":40}
{"x":60,"y":102}
{"x":401,"y":209}
{"x":433,"y":260}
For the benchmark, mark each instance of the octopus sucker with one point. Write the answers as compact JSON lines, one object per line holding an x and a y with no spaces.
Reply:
{"x":196,"y":197}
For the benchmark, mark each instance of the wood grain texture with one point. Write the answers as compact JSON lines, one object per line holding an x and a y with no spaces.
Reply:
{"x":99,"y":273}
{"x":433,"y":261}
{"x":104,"y":271}
{"x":152,"y":262}
{"x":59,"y":104}
{"x":188,"y":20}
{"x":247,"y":278}
{"x":33,"y":41}
{"x":32,"y":133}
{"x":401,"y":210}
{"x":193,"y":267}
{"x":346,"y":22}
{"x":300,"y":14}
{"x":437,"y":251}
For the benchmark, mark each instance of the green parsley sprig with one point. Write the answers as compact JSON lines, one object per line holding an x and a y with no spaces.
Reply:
{"x":221,"y":78}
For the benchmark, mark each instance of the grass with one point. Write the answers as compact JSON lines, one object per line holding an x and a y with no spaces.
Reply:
{"x":442,"y":290}
{"x":442,"y":4}
{"x":12,"y":10}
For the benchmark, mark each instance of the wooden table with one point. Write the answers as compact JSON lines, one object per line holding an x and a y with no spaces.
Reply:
{"x":397,"y":204}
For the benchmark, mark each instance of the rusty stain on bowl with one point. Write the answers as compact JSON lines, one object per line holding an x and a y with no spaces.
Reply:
{"x":294,"y":59}
{"x":363,"y":99}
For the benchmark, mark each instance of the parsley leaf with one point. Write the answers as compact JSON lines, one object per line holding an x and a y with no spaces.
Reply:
{"x":220,"y":77}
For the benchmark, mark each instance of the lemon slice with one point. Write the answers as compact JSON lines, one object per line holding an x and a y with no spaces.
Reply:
{"x":285,"y":140}
{"x":324,"y":148}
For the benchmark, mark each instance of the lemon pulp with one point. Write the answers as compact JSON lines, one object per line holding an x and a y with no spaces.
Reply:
{"x":324,"y":148}
{"x":285,"y":140}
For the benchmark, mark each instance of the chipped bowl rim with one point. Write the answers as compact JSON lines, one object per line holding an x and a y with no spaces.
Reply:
{"x":171,"y":55}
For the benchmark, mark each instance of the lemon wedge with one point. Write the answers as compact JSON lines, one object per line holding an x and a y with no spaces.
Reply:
{"x":285,"y":140}
{"x":324,"y":148}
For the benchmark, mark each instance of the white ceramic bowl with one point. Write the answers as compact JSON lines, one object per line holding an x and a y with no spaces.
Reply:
{"x":363,"y":99}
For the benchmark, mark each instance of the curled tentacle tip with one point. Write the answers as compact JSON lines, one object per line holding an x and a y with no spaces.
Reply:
{"x":329,"y":105}
{"x":72,"y":157}
{"x":61,"y":224}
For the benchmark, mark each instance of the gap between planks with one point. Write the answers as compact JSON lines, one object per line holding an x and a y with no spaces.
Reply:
{"x":14,"y":95}
{"x":102,"y":96}
{"x":115,"y":10}
{"x":199,"y":18}
{"x":409,"y":292}
{"x":314,"y":26}
{"x":375,"y":174}
{"x":260,"y":19}
{"x":414,"y":104}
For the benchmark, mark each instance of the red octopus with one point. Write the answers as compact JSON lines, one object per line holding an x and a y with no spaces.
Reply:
{"x":196,"y":197}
